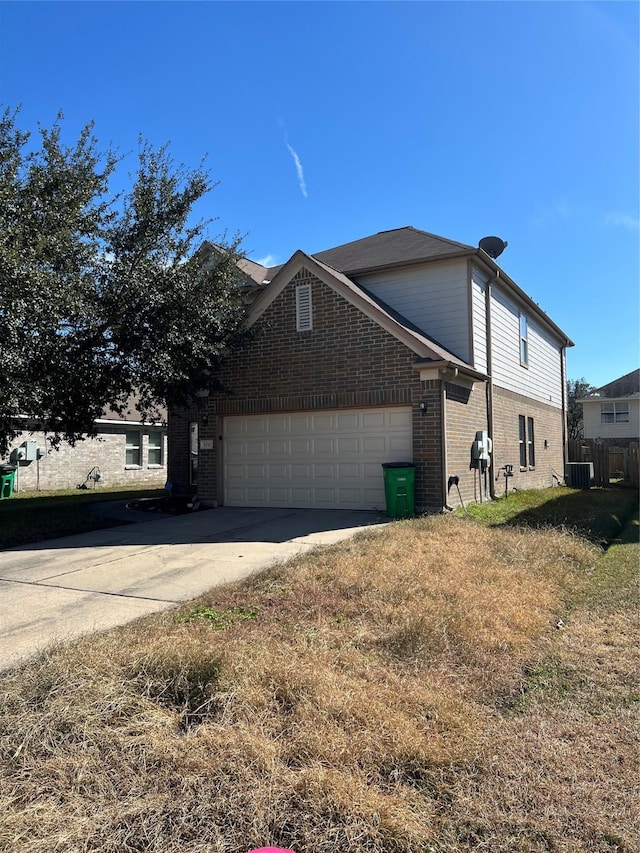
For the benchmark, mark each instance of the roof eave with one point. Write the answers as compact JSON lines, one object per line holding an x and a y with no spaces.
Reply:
{"x":496,"y":270}
{"x":409,"y":263}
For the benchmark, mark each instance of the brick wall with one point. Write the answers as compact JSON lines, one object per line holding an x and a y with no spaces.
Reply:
{"x":507,"y":406}
{"x":466,"y":413}
{"x":345,"y":361}
{"x":68,"y":466}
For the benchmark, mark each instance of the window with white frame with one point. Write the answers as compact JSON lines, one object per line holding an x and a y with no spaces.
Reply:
{"x":526,"y":441}
{"x":531,"y":445}
{"x":194,"y":447}
{"x":524,"y":341}
{"x":522,"y":440}
{"x":132,"y":453}
{"x":304,"y":319}
{"x":154,"y":450}
{"x":615,"y":412}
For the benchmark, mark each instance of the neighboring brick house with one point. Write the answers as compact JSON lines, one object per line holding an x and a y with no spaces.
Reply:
{"x":612,"y":413}
{"x":125,"y":452}
{"x":397,"y":347}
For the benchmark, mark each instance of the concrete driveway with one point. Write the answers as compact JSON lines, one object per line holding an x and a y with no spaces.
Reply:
{"x":56,"y":590}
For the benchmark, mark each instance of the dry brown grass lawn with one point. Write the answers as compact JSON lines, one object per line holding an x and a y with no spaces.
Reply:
{"x":406,"y":691}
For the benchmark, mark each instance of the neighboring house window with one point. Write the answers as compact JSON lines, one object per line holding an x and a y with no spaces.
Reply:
{"x":193,"y":453}
{"x":524,"y":341}
{"x":132,"y":451}
{"x":617,"y":413}
{"x":154,"y":450}
{"x":526,"y":439}
{"x":303,"y":308}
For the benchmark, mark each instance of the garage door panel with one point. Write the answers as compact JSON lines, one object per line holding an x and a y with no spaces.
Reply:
{"x":300,"y":445}
{"x":277,"y":471}
{"x":348,"y":421}
{"x":324,"y":470}
{"x":373,"y":444}
{"x":277,"y":447}
{"x":373,"y":420}
{"x":347,"y":445}
{"x":348,"y":470}
{"x":300,"y":471}
{"x":299,"y":424}
{"x":278,"y":496}
{"x":314,"y":459}
{"x":323,"y":423}
{"x":400,"y":418}
{"x":277,"y":424}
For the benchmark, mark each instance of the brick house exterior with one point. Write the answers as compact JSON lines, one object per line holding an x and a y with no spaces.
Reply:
{"x":287,"y":423}
{"x":125,"y":452}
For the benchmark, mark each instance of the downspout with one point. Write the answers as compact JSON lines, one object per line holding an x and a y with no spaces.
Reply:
{"x":492,"y":488}
{"x":443,"y":429}
{"x":563,"y":375}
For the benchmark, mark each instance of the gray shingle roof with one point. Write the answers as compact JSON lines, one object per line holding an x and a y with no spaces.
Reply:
{"x":623,"y":386}
{"x":406,"y":245}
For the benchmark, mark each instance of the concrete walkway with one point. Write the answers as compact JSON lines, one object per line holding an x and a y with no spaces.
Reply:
{"x":56,"y":590}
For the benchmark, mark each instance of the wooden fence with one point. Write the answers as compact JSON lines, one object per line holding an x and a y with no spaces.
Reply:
{"x":610,"y":462}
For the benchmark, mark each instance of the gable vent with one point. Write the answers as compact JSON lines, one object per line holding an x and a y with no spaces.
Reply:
{"x":303,"y":308}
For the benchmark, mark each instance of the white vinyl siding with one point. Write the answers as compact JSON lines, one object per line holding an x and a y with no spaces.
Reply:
{"x":432,"y":296}
{"x":478,"y":299}
{"x":595,"y":428}
{"x":541,"y":379}
{"x":324,"y":459}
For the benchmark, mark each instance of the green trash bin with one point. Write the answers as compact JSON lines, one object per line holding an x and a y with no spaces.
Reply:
{"x":7,"y":477}
{"x":399,"y":488}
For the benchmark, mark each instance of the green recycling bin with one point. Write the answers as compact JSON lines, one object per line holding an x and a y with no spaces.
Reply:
{"x":7,"y":477}
{"x":399,"y":488}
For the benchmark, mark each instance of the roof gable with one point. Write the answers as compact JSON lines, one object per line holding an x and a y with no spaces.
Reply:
{"x":399,"y":327}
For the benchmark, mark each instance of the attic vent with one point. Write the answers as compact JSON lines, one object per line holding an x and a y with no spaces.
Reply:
{"x":303,"y":308}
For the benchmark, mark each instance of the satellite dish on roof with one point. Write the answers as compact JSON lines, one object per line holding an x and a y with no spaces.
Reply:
{"x":493,"y":246}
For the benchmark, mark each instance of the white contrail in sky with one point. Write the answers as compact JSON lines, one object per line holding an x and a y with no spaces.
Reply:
{"x":296,"y":160}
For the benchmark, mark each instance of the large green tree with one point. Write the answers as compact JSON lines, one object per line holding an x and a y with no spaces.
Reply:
{"x":576,"y":390}
{"x":104,"y":294}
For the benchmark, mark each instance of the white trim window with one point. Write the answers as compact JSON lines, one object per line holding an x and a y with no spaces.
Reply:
{"x":154,"y":450}
{"x":614,"y":413}
{"x":526,"y":443}
{"x":304,"y":316}
{"x":133,"y":448}
{"x":194,"y":449}
{"x":524,"y":341}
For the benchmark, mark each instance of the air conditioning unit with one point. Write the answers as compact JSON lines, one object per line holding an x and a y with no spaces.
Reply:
{"x":578,"y":475}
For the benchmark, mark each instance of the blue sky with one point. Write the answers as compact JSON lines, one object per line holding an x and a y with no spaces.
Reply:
{"x":326,"y":122}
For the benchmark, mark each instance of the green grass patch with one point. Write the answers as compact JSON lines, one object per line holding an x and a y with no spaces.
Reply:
{"x":598,"y":514}
{"x":34,"y":516}
{"x":220,"y":619}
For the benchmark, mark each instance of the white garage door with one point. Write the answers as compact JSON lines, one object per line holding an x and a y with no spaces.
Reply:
{"x":328,"y":460}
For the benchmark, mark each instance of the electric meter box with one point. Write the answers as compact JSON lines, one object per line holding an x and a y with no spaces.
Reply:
{"x":30,"y":451}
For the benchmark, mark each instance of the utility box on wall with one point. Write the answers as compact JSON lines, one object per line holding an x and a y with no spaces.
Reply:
{"x":30,"y":449}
